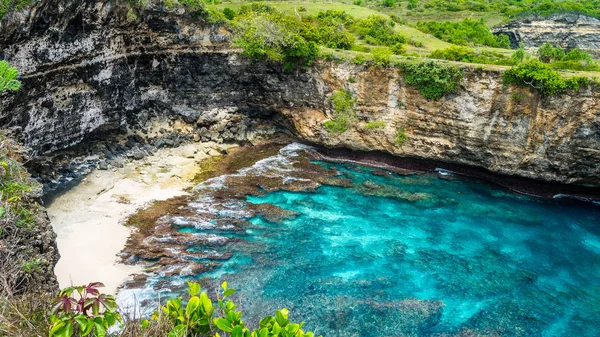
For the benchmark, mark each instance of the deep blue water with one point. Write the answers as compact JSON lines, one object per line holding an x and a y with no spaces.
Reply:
{"x":421,"y":255}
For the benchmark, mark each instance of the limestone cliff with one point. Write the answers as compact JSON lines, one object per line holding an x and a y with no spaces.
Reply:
{"x":89,"y":68}
{"x":565,"y":30}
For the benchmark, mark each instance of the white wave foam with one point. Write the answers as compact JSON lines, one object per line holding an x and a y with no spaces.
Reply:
{"x":444,"y":172}
{"x":568,"y":196}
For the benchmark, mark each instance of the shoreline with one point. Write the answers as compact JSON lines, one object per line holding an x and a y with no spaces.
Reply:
{"x":89,"y":218}
{"x":526,"y":186}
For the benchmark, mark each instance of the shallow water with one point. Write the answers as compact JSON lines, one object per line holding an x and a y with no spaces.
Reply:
{"x":418,"y":255}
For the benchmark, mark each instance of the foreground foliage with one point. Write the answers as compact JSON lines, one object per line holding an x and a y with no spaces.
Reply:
{"x":201,"y":317}
{"x":83,"y":310}
{"x":433,"y":80}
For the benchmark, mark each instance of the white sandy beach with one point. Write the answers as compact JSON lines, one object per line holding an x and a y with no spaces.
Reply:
{"x":88,"y":219}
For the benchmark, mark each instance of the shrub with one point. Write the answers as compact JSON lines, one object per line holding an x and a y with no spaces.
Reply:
{"x":334,"y":37}
{"x":415,"y":43}
{"x":454,"y":53}
{"x":338,"y":124}
{"x":215,"y":16}
{"x":359,"y":59}
{"x":342,"y":102}
{"x":519,"y":55}
{"x":464,"y":32}
{"x":8,"y":77}
{"x":382,"y":56}
{"x":400,"y":137}
{"x":357,"y":2}
{"x":517,"y":97}
{"x":375,"y":125}
{"x":433,"y":80}
{"x":547,"y":53}
{"x":388,"y":3}
{"x":257,"y":8}
{"x":465,"y":54}
{"x":398,"y":48}
{"x":229,"y":13}
{"x":378,"y":30}
{"x":9,"y":5}
{"x":539,"y":76}
{"x":192,"y":5}
{"x":87,"y":312}
{"x":351,"y":79}
{"x":577,"y":54}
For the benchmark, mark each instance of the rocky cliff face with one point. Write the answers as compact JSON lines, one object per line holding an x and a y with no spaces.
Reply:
{"x":565,"y":30}
{"x":511,"y":131}
{"x":88,"y":68}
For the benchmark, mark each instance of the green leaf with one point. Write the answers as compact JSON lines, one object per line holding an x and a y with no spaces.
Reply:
{"x":65,"y":331}
{"x":89,"y":326}
{"x":276,"y":329}
{"x":281,"y":316}
{"x":110,"y":318}
{"x":228,"y":292}
{"x":231,"y":316}
{"x":178,"y":331}
{"x":145,"y":324}
{"x":264,"y":332}
{"x":57,"y":325}
{"x":224,"y":285}
{"x":206,"y":303}
{"x":293,"y":328}
{"x":13,"y":85}
{"x":223,"y":324}
{"x":193,"y":288}
{"x":96,"y":307}
{"x":192,"y":306}
{"x":265,"y":321}
{"x":81,"y":321}
{"x":238,"y":331}
{"x":100,"y":330}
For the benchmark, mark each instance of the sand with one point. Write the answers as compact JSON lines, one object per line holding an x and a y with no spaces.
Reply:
{"x":88,"y":219}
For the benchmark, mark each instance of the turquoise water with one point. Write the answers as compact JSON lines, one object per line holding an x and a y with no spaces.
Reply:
{"x":418,"y":255}
{"x":498,"y":261}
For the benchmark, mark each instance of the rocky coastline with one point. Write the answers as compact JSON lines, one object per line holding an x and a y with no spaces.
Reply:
{"x":101,"y":89}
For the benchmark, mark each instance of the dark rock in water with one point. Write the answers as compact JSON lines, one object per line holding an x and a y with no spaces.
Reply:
{"x":272,"y":213}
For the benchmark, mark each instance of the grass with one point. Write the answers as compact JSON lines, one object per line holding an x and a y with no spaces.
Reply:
{"x":429,"y":42}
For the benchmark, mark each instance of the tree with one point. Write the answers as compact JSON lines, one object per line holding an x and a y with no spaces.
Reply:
{"x":8,"y":77}
{"x":274,"y":37}
{"x":548,"y":53}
